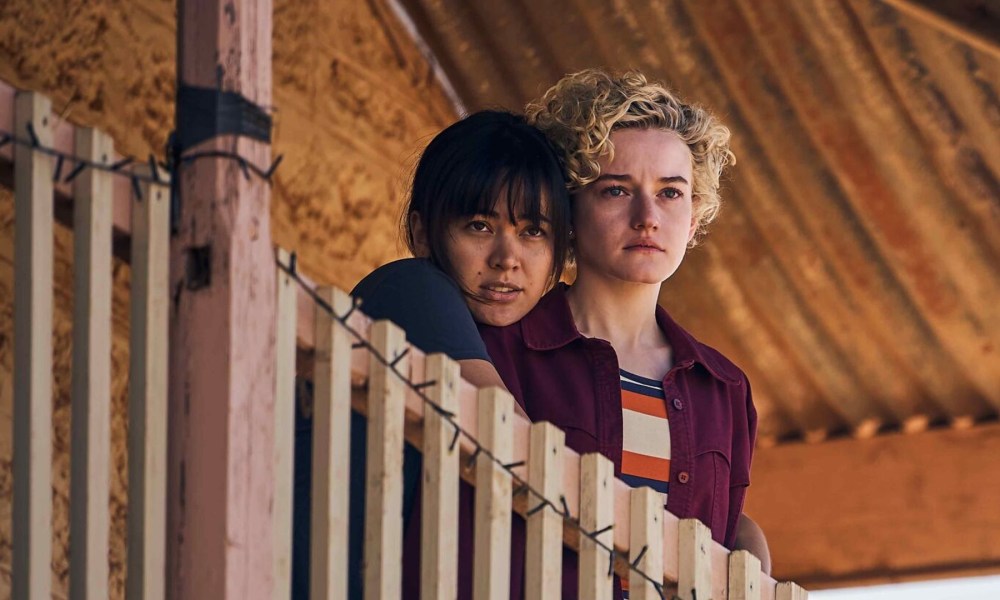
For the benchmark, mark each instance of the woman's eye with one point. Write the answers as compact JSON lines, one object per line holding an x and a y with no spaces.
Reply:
{"x":478,"y":226}
{"x":535,"y":232}
{"x":673,"y":193}
{"x":615,"y":191}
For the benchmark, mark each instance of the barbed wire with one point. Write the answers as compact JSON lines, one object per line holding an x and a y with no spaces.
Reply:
{"x":523,"y":487}
{"x":81,"y":164}
{"x":118,"y":168}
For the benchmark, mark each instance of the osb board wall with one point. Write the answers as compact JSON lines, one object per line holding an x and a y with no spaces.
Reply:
{"x":354,"y":102}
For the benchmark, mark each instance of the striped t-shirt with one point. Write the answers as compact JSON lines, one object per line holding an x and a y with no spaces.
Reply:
{"x":645,"y":433}
{"x":645,"y":437}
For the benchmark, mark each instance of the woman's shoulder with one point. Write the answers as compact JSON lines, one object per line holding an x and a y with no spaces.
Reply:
{"x":405,"y":272}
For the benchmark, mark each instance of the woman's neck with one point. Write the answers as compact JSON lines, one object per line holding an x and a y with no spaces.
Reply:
{"x":622,"y":313}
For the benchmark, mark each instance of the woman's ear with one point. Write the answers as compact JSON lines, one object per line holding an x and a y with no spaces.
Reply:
{"x":419,"y":235}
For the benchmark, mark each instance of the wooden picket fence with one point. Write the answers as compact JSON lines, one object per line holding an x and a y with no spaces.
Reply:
{"x":348,"y":376}
{"x":94,"y":213}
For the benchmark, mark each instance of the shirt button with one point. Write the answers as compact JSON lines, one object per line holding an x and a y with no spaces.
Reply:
{"x":683,"y":477}
{"x":678,"y":404}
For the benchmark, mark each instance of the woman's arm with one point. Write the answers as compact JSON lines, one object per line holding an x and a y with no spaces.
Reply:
{"x":482,"y":373}
{"x":749,"y":536}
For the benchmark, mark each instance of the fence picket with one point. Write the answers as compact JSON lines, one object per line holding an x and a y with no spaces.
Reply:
{"x":384,"y":486}
{"x":597,"y":511}
{"x":33,"y":242}
{"x":331,"y":467}
{"x":91,"y":396}
{"x":744,"y":576}
{"x":439,"y":512}
{"x":646,"y":537}
{"x":491,"y":571}
{"x":147,"y":433}
{"x":286,"y":319}
{"x":694,"y":562}
{"x":786,"y":590}
{"x":543,"y":559}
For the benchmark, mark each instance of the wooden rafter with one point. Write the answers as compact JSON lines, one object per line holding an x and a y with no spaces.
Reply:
{"x":975,"y":22}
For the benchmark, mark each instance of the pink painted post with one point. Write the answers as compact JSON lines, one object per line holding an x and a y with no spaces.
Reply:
{"x":222,"y":346}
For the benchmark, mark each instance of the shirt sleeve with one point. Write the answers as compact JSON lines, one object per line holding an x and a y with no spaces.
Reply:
{"x":427,"y":304}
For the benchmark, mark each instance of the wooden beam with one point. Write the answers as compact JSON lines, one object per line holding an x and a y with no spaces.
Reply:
{"x":891,"y":508}
{"x":90,"y":456}
{"x":147,"y":402}
{"x":33,"y":250}
{"x":974,"y":22}
{"x":222,"y":355}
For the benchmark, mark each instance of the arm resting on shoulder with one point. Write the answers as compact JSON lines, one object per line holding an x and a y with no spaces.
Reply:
{"x":481,"y":373}
{"x":749,"y":536}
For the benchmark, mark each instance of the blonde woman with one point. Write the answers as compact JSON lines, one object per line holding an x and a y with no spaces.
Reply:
{"x":601,"y":359}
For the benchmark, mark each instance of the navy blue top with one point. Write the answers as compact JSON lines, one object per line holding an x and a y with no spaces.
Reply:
{"x":426,"y":303}
{"x":430,"y":307}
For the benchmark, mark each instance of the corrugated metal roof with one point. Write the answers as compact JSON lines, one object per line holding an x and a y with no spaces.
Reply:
{"x":855,"y":270}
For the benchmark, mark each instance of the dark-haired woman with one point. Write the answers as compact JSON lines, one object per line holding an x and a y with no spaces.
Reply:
{"x":487,"y":222}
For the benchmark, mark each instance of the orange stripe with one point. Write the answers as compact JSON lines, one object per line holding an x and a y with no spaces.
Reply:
{"x":649,"y":467}
{"x":648,"y":405}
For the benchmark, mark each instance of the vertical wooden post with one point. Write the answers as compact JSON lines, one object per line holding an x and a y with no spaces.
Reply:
{"x":284,"y":428}
{"x":222,"y":361}
{"x":384,"y":482}
{"x":91,"y":398}
{"x":147,"y":413}
{"x":786,"y":590}
{"x":744,"y":576}
{"x":597,"y":511}
{"x":331,"y":467}
{"x":491,"y":571}
{"x":646,"y":527}
{"x":439,"y":510}
{"x":33,"y":223}
{"x":543,"y":559}
{"x":694,"y":578}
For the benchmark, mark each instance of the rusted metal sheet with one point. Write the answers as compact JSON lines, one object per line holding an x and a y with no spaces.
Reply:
{"x":855,"y":270}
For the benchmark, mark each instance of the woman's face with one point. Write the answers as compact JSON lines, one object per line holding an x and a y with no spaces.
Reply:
{"x":634,"y":223}
{"x":505,"y":266}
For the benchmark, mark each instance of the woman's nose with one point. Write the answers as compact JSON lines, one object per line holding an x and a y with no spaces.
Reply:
{"x":644,"y":214}
{"x":504,"y":254}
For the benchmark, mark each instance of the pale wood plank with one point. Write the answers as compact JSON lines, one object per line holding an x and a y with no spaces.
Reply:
{"x":786,"y":590}
{"x":543,"y":559}
{"x":384,"y":485}
{"x":646,"y":529}
{"x":331,"y":465}
{"x":491,"y":571}
{"x":439,"y":510}
{"x":222,"y":369}
{"x":33,"y":241}
{"x":694,"y":542}
{"x":284,"y":427}
{"x":91,"y":397}
{"x":597,"y":511}
{"x":744,"y":576}
{"x":147,"y":434}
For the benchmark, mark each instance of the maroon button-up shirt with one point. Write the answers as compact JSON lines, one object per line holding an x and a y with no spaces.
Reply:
{"x":558,"y":375}
{"x":572,"y":381}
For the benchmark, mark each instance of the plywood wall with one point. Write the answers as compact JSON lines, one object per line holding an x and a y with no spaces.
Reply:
{"x":354,"y":103}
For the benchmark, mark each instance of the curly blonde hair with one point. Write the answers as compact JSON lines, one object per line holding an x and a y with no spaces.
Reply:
{"x":580,"y":112}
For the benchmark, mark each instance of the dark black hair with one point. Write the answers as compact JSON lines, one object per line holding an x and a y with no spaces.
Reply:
{"x":466,"y":168}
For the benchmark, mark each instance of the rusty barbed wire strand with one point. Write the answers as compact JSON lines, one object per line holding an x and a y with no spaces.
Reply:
{"x":560,"y":506}
{"x":118,"y":168}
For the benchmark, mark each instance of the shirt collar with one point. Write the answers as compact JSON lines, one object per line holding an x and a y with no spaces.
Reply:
{"x":550,"y":325}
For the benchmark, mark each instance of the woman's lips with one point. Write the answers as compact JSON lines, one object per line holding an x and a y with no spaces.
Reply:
{"x":643,"y":246}
{"x":499,"y":292}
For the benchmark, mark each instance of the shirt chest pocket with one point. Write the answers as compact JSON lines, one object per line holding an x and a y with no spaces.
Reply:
{"x":714,"y":469}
